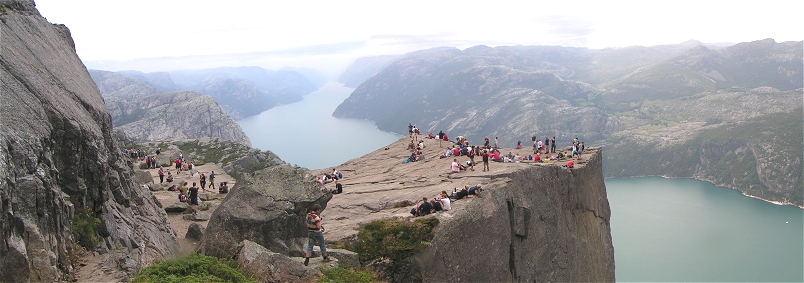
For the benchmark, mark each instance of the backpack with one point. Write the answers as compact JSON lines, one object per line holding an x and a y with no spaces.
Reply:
{"x":182,"y":198}
{"x":310,"y":221}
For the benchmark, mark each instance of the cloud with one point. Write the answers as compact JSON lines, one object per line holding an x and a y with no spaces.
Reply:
{"x":566,"y":30}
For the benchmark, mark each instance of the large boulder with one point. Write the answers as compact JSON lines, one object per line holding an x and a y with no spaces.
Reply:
{"x":268,"y":208}
{"x":268,"y":266}
{"x":143,"y":177}
{"x":195,"y":232}
{"x":177,"y":207}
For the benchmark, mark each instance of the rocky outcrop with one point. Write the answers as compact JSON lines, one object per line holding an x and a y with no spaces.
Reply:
{"x":178,"y":115}
{"x":534,"y":222}
{"x":547,"y":224}
{"x":59,"y":161}
{"x":266,"y":207}
{"x":269,"y":266}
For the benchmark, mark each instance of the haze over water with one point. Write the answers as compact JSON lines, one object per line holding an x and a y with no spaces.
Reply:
{"x":662,"y":229}
{"x":305,"y":133}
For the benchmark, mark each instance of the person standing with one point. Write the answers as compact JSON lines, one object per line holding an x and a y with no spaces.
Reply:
{"x":194,"y":198}
{"x":161,"y":175}
{"x":212,"y":180}
{"x":495,"y":143}
{"x":203,"y":180}
{"x":315,"y":232}
{"x":486,"y":161}
{"x":410,"y":130}
{"x":553,"y":145}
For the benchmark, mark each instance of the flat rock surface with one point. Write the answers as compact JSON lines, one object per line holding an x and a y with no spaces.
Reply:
{"x":373,"y":184}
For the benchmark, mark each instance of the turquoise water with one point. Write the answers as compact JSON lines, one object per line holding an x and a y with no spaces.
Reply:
{"x":689,"y":230}
{"x":662,"y":229}
{"x":306,"y":134}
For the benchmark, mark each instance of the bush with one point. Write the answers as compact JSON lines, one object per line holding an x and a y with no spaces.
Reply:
{"x":192,"y":268}
{"x":393,"y":239}
{"x":345,"y":275}
{"x":85,"y":226}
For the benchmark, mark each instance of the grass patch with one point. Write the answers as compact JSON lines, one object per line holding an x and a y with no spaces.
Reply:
{"x":85,"y":227}
{"x":192,"y":268}
{"x":345,"y":275}
{"x":393,"y":239}
{"x":205,"y":207}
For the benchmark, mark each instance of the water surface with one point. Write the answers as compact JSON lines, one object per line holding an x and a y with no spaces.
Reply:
{"x":306,"y":134}
{"x":689,"y":230}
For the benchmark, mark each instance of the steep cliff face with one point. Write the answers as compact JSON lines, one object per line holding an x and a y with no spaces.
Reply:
{"x":534,"y":222}
{"x":546,"y":224}
{"x":58,"y":160}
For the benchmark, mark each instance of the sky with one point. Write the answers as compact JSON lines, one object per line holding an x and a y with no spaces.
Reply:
{"x":272,"y":34}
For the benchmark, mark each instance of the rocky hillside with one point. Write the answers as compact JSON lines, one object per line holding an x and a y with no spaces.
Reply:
{"x":617,"y":97}
{"x":145,"y":114}
{"x":245,"y":91}
{"x":363,"y":69}
{"x":64,"y":184}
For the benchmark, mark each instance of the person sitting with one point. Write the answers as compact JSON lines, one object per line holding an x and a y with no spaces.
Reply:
{"x":519,"y":144}
{"x":445,"y":202}
{"x":223,"y":188}
{"x":411,"y":145}
{"x":173,"y":188}
{"x":431,"y":136}
{"x":424,"y":208}
{"x":456,"y":167}
{"x":537,"y":158}
{"x":421,"y":145}
{"x":169,"y":177}
{"x":338,"y":188}
{"x":570,"y":164}
{"x":456,"y":151}
{"x":561,"y":156}
{"x":495,"y":156}
{"x":475,"y":191}
{"x":553,"y":158}
{"x":436,"y":204}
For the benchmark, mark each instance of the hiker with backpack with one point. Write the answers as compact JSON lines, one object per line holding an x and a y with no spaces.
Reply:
{"x":315,"y":232}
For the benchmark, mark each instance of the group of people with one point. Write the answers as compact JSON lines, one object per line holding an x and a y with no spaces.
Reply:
{"x":443,"y":202}
{"x":333,"y":176}
{"x":549,"y":145}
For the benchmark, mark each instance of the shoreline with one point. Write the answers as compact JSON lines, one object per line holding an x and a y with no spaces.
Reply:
{"x":716,"y":185}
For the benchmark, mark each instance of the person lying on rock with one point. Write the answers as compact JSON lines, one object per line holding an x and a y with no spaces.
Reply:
{"x":475,"y":191}
{"x":459,"y":194}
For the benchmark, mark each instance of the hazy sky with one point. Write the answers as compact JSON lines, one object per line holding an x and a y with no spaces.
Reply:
{"x":124,"y":30}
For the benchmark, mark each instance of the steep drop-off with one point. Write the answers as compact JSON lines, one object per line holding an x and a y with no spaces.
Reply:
{"x":535,"y":222}
{"x":59,"y":161}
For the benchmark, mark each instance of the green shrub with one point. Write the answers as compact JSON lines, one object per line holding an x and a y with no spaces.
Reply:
{"x":192,"y":268}
{"x":345,"y":275}
{"x":85,"y":227}
{"x":393,"y":239}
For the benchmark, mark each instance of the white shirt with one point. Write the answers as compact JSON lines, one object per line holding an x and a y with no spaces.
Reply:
{"x":445,"y":204}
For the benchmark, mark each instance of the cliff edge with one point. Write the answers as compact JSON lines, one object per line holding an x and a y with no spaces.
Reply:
{"x":534,"y":222}
{"x":59,"y":163}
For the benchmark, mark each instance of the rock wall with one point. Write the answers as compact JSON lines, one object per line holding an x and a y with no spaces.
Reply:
{"x":58,"y":158}
{"x":266,"y":207}
{"x":546,"y":225}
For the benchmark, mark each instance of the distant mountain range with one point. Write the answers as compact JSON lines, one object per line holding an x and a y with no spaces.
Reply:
{"x":655,"y":109}
{"x":144,"y":113}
